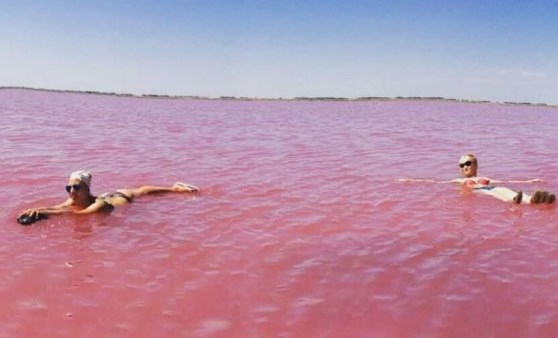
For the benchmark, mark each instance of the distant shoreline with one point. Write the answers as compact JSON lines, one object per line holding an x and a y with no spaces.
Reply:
{"x":302,"y":98}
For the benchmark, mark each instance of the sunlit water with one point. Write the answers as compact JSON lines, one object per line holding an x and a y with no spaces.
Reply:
{"x":301,"y":229}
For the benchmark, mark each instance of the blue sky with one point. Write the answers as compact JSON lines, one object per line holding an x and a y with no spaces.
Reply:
{"x":483,"y":50}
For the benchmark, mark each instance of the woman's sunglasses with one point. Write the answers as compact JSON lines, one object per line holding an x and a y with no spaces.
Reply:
{"x":465,"y":164}
{"x":75,"y":186}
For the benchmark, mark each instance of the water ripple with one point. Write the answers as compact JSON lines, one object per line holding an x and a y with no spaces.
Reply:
{"x":301,"y":228}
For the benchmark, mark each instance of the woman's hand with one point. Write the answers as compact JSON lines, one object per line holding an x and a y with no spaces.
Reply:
{"x":35,"y":213}
{"x":31,"y":216}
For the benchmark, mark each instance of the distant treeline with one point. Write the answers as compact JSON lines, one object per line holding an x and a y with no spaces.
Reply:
{"x":300,"y":98}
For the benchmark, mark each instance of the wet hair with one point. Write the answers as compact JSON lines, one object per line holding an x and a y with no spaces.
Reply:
{"x":472,"y":157}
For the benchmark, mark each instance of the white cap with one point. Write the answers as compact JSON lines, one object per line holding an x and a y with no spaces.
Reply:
{"x":82,"y":175}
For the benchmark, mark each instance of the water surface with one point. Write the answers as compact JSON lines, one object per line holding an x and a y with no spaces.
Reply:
{"x":301,"y":229}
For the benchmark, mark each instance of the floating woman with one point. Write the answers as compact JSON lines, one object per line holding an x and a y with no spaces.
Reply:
{"x":469,"y":166}
{"x":81,"y":201}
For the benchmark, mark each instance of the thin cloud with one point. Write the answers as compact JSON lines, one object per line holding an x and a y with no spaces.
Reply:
{"x":524,"y":74}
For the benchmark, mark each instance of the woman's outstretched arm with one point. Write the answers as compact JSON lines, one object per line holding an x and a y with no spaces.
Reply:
{"x":457,"y":180}
{"x":32,"y":215}
{"x":56,"y":209}
{"x":534,"y":180}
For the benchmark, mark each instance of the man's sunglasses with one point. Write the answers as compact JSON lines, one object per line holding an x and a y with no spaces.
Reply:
{"x":75,"y":186}
{"x":465,"y":164}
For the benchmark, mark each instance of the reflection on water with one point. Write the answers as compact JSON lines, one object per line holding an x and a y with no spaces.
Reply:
{"x":301,"y":228}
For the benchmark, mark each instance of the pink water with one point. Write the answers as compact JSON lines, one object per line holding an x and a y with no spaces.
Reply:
{"x":301,"y":229}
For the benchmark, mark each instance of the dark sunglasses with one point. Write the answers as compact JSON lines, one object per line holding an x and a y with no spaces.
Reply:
{"x":75,"y":186}
{"x":465,"y":164}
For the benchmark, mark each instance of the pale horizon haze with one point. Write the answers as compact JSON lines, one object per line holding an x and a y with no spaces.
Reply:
{"x":475,"y":50}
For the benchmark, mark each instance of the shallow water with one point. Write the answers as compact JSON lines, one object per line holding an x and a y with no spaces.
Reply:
{"x":301,"y":229}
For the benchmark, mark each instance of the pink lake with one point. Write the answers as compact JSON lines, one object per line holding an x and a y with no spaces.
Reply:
{"x":301,"y":228}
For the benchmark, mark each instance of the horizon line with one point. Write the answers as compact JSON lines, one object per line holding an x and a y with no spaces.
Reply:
{"x":297,"y":98}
